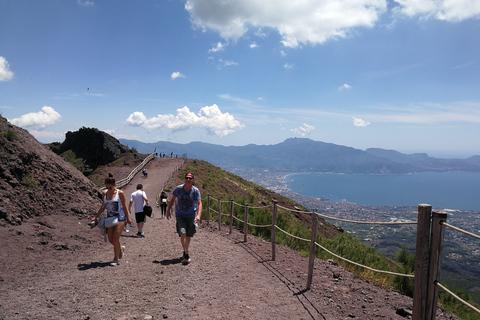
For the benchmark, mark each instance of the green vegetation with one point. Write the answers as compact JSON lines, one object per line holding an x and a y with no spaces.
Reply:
{"x":72,"y":158}
{"x":9,"y":134}
{"x":31,"y":182}
{"x":450,"y":304}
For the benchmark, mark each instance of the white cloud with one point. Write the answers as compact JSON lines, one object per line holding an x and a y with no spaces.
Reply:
{"x":345,"y":87}
{"x":227,"y":63}
{"x":288,"y":66}
{"x":218,"y":47}
{"x":85,"y":3}
{"x":303,"y":130}
{"x":253,"y":45}
{"x":449,"y":10}
{"x":5,"y":73}
{"x":312,"y":21}
{"x":48,"y":136}
{"x":176,"y":75}
{"x":209,"y":117}
{"x":47,"y":117}
{"x":308,"y":21}
{"x":360,"y":122}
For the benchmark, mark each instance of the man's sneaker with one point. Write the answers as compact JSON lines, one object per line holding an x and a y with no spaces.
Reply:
{"x":186,"y":259}
{"x":122,"y":252}
{"x":114,"y":263}
{"x":140,"y":235}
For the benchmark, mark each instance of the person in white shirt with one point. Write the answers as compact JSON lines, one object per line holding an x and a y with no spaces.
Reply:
{"x":139,"y":198}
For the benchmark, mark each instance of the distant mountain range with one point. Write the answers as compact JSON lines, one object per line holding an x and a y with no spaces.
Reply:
{"x":302,"y":155}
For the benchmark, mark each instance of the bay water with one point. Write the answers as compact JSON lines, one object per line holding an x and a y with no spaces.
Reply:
{"x":442,"y":190}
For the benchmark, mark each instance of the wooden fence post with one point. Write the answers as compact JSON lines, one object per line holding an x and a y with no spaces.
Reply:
{"x":208,"y":210}
{"x":245,"y":223}
{"x":219,"y":214}
{"x":436,"y":252}
{"x":422,"y":258}
{"x":274,"y":229}
{"x":313,"y":248}
{"x":231,"y":216}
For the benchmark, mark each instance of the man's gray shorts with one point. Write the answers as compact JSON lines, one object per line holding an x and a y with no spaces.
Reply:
{"x":186,"y":225}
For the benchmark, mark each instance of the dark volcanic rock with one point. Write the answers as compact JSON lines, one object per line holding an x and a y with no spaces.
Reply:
{"x":94,"y":147}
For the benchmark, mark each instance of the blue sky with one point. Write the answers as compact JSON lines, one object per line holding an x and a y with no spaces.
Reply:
{"x":402,"y":75}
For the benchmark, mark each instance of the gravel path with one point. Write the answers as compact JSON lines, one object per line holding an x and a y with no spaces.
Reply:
{"x":57,"y":267}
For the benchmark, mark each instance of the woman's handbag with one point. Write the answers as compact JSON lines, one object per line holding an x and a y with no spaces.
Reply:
{"x":111,"y":221}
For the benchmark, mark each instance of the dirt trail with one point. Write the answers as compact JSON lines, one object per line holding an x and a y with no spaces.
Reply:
{"x":64,"y":273}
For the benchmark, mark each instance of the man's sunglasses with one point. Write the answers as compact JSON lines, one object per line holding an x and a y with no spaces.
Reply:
{"x":188,"y":178}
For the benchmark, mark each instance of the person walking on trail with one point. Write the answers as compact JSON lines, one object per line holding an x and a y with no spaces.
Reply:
{"x":163,"y":204}
{"x":188,"y":211}
{"x":116,"y":204}
{"x":139,"y":198}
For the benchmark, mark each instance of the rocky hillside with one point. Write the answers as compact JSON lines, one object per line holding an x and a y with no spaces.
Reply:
{"x":34,"y":181}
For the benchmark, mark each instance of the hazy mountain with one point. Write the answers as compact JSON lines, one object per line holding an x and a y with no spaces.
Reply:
{"x":306,"y":155}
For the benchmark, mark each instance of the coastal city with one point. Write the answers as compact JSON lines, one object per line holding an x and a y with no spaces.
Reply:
{"x":461,"y":254}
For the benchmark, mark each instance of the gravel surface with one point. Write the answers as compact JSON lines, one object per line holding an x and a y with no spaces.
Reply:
{"x":56,"y":267}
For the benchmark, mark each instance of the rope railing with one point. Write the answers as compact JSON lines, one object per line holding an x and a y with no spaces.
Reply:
{"x":298,"y":211}
{"x":366,"y":267}
{"x":461,"y":230}
{"x":123,"y":182}
{"x":293,"y":236}
{"x":260,"y":225}
{"x":432,"y":260}
{"x":457,"y":297}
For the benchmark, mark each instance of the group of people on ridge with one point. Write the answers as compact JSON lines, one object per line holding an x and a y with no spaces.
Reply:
{"x":188,"y":210}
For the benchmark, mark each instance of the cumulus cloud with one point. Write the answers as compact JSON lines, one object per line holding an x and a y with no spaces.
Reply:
{"x":308,"y":21}
{"x":176,"y":75}
{"x":345,"y":87}
{"x":253,"y":45}
{"x":288,"y":66}
{"x":209,"y":117}
{"x":360,"y":122}
{"x":304,"y":130}
{"x":453,"y":11}
{"x":46,"y":117}
{"x":47,"y":136}
{"x":85,"y":3}
{"x":312,"y":21}
{"x":5,"y":73}
{"x":218,"y":47}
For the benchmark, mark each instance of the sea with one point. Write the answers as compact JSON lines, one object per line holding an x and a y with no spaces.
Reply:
{"x":445,"y":190}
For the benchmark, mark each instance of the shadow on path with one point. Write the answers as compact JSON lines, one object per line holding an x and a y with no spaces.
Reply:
{"x":92,"y":265}
{"x":168,"y":262}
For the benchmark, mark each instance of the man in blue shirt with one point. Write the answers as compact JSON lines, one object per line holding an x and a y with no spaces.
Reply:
{"x":188,"y":211}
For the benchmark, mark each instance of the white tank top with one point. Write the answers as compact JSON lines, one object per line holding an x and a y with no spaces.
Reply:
{"x":114,"y":207}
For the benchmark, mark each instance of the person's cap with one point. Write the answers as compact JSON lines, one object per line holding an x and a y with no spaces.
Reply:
{"x":189,"y":175}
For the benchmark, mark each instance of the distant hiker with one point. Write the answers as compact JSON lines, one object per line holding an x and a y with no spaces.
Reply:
{"x":145,"y":172}
{"x":139,"y":197}
{"x":164,"y":154}
{"x":188,"y":211}
{"x":171,"y":155}
{"x":163,"y":204}
{"x":115,"y":203}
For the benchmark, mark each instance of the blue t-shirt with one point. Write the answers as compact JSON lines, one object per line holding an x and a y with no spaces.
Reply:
{"x":186,"y":201}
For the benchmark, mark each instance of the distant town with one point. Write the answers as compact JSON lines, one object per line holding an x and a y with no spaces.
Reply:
{"x":461,"y":261}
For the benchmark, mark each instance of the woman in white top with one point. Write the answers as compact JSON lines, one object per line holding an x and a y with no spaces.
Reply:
{"x":115,"y":202}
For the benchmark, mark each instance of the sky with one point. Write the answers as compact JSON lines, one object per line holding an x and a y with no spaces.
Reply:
{"x":392,"y":74}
